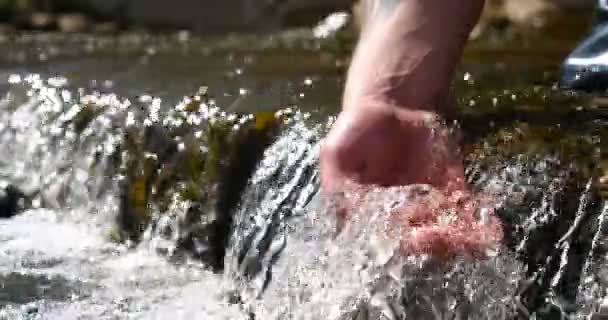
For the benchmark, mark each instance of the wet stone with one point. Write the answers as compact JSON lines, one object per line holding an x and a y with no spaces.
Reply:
{"x":12,"y":201}
{"x":30,"y":309}
{"x":528,"y":12}
{"x":73,"y":22}
{"x":600,"y":103}
{"x":41,"y":20}
{"x":551,"y":167}
{"x":195,"y":172}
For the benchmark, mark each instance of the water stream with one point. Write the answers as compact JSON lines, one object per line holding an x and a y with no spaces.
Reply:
{"x":116,"y":223}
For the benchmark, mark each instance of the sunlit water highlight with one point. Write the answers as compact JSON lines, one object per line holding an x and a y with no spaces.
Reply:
{"x":284,"y":261}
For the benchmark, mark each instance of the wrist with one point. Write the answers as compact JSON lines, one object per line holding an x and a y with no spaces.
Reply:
{"x":379,"y":110}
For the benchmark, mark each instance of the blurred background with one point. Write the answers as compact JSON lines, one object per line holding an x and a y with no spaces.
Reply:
{"x":209,"y":16}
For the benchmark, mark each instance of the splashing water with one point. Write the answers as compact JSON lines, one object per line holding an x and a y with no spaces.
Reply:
{"x":362,"y":270}
{"x":285,"y":259}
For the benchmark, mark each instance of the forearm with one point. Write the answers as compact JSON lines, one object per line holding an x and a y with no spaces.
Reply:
{"x":408,"y":52}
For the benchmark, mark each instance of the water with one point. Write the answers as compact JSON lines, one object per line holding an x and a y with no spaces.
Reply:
{"x":129,"y":214}
{"x":56,"y":269}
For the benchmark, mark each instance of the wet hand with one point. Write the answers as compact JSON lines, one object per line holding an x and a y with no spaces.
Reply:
{"x":369,"y":148}
{"x":387,"y":146}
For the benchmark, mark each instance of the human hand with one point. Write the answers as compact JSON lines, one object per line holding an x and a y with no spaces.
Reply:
{"x":392,"y":149}
{"x":387,"y":146}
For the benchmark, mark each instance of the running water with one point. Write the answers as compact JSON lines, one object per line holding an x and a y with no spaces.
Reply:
{"x":86,"y":246}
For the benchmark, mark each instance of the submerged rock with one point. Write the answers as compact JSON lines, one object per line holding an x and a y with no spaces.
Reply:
{"x":542,"y":178}
{"x":12,"y":201}
{"x":551,"y":210}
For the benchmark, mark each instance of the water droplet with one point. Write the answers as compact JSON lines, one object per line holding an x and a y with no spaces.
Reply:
{"x":14,"y":79}
{"x":183,"y":35}
{"x":130,"y":119}
{"x":57,"y":81}
{"x":331,"y":24}
{"x":151,"y":51}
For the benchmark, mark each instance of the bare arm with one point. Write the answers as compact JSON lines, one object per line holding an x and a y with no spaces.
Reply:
{"x":408,"y":52}
{"x":398,"y":80}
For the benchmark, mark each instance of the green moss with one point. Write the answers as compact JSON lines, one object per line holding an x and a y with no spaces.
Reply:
{"x":243,"y":151}
{"x":218,"y":139}
{"x":573,"y":152}
{"x":115,"y":235}
{"x":202,"y":168}
{"x":84,"y":117}
{"x":523,"y":139}
{"x":134,"y":216}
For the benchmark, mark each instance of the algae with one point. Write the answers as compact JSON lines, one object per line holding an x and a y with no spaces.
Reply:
{"x":200,"y":161}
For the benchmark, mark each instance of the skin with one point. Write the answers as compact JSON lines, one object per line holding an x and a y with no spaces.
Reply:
{"x":389,"y":132}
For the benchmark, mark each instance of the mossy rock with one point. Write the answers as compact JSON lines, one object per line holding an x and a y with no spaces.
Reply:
{"x":84,"y":117}
{"x":204,"y":165}
{"x":555,"y":165}
{"x":534,"y":122}
{"x":523,"y":139}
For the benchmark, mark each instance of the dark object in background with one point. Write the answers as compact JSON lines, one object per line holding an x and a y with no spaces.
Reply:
{"x":11,"y":201}
{"x":586,"y":68}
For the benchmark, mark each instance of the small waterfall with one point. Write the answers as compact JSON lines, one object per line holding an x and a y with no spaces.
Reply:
{"x":169,"y":175}
{"x":553,"y":218}
{"x":358,"y":274}
{"x":592,"y":283}
{"x":279,"y":191}
{"x":55,"y":147}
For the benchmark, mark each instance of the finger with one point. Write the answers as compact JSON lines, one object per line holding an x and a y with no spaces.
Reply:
{"x":338,"y":165}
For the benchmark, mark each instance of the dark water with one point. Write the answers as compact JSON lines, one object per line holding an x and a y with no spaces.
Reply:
{"x":83,"y":119}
